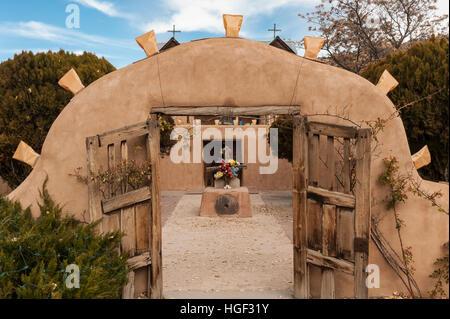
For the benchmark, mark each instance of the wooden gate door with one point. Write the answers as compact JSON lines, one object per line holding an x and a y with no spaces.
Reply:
{"x":135,"y":212}
{"x":331,"y":204}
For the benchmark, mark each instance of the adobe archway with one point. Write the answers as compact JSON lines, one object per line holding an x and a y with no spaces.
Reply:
{"x":239,"y":72}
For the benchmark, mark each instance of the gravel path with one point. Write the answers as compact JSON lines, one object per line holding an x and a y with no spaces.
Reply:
{"x":225,"y":254}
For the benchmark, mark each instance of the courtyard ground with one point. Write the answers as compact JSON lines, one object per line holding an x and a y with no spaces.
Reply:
{"x":228,"y":257}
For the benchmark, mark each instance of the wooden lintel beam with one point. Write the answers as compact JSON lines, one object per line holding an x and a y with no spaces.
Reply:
{"x":226,"y":110}
{"x":123,"y":134}
{"x":329,"y":129}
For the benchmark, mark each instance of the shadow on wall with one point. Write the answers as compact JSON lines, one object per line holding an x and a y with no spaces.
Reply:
{"x":4,"y":188}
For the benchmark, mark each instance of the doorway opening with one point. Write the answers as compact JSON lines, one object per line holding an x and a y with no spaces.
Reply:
{"x":328,"y":222}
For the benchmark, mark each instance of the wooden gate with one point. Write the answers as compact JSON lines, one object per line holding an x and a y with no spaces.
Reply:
{"x":331,"y":204}
{"x":135,"y":212}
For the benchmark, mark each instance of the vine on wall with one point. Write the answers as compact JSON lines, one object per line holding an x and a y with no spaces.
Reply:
{"x":441,"y":275}
{"x":124,"y":177}
{"x":397,"y":194}
{"x":399,"y":186}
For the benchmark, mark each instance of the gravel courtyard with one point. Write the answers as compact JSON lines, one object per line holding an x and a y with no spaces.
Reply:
{"x":227,"y":257}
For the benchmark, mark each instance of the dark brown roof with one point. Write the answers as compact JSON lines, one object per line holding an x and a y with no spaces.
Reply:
{"x":169,"y":44}
{"x":280,"y":44}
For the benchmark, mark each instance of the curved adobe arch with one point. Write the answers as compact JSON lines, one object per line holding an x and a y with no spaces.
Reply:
{"x":239,"y":72}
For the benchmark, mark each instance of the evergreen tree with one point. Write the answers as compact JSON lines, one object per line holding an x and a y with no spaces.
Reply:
{"x":31,"y":99}
{"x":423,"y":75}
{"x":34,"y":255}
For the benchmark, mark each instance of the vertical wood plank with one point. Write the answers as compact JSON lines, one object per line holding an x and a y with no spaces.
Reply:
{"x":331,"y":170}
{"x":362,"y":209}
{"x":128,"y":290}
{"x":111,"y":222}
{"x":299,"y":201}
{"x":346,"y":170}
{"x":313,"y":154}
{"x":94,"y":197}
{"x":329,"y":230}
{"x":111,"y":164}
{"x":345,"y":233}
{"x":127,"y":215}
{"x":327,"y":289}
{"x":142,"y":228}
{"x":128,"y":226}
{"x":156,"y":241}
{"x":124,"y":160}
{"x":314,"y":218}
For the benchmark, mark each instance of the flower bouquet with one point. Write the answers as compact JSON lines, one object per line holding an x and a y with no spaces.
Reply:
{"x":227,"y":171}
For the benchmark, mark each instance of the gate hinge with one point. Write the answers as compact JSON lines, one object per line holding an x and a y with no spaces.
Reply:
{"x":361,"y":245}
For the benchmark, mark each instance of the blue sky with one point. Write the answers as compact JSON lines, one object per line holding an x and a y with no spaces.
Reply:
{"x":108,"y":27}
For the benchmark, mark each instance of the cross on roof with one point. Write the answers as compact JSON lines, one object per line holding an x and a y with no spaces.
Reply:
{"x":173,"y":31}
{"x":275,"y":30}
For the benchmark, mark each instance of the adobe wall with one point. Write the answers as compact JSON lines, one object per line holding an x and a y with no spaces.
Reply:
{"x":232,"y":71}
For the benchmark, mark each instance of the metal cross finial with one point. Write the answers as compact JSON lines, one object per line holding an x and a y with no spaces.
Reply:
{"x":275,"y":30}
{"x":173,"y":31}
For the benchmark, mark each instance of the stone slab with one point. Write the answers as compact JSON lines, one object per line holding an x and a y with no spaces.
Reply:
{"x":211,"y":194}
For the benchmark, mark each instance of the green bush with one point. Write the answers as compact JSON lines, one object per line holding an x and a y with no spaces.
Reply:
{"x":423,"y":75}
{"x":34,"y":254}
{"x":31,"y":99}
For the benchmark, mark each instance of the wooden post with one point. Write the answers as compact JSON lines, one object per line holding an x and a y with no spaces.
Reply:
{"x":155,"y":275}
{"x":300,"y":164}
{"x":94,"y":198}
{"x":362,"y":212}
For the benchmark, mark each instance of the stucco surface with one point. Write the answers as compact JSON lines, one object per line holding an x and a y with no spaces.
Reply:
{"x":231,"y":71}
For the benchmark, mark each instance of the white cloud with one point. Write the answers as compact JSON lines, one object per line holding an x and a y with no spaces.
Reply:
{"x":34,"y":50}
{"x":105,"y":7}
{"x":199,"y":15}
{"x":43,"y":31}
{"x":442,"y":6}
{"x":202,"y":15}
